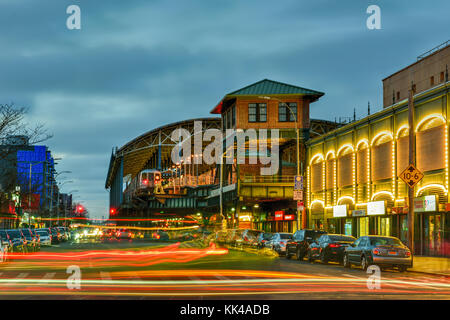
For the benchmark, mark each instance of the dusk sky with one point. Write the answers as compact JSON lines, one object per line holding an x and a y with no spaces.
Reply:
{"x":137,"y":65}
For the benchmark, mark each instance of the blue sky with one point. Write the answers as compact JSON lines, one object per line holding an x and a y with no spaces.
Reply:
{"x":136,"y":65}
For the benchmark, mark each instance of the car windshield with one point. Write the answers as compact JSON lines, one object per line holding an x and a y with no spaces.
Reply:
{"x":267,"y":236}
{"x":43,"y":233}
{"x":26,"y":232}
{"x":380,"y":241}
{"x":252,"y":233}
{"x":14,"y":234}
{"x":341,"y":238}
{"x":285,"y":236}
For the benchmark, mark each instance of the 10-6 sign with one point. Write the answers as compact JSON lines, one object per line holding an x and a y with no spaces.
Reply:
{"x":411,"y":175}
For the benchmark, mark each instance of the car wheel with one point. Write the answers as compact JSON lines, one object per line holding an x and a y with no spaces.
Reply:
{"x":364,"y":263}
{"x":299,"y":254}
{"x":288,"y":256}
{"x":402,"y":268}
{"x":310,"y":258}
{"x":346,"y":262}
{"x":323,"y":259}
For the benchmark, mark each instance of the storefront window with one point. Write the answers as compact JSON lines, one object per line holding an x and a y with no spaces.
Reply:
{"x":348,"y":227}
{"x":363,"y":226}
{"x":384,"y":227}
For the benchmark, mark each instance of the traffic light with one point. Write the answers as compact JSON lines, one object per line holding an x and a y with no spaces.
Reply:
{"x":80,"y":208}
{"x":112,"y":211}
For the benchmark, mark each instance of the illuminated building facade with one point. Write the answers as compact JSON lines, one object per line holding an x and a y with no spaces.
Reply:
{"x":353,"y":184}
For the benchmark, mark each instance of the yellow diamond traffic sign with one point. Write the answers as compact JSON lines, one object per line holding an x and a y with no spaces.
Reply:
{"x":411,"y":175}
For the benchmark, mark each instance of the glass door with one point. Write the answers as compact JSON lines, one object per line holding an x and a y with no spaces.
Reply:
{"x":363,"y":226}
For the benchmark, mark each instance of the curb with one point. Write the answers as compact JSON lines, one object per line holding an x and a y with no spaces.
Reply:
{"x":431,"y":273}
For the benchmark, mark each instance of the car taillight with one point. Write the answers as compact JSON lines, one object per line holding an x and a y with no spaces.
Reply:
{"x":334,"y":245}
{"x":407,"y":253}
{"x":158,"y":236}
{"x":245,"y":238}
{"x":376,"y":251}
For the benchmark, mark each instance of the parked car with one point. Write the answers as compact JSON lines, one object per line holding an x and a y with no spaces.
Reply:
{"x":247,"y":237}
{"x":32,"y":240}
{"x":300,"y":242}
{"x":64,"y":235}
{"x":5,"y":239}
{"x":383,"y":251}
{"x":44,"y":237}
{"x":160,"y":235}
{"x":263,"y":238}
{"x":123,"y":234}
{"x":56,"y":236}
{"x":5,"y":245}
{"x":107,"y":234}
{"x":329,"y":247}
{"x":18,"y":240}
{"x":279,"y":241}
{"x":221,"y":237}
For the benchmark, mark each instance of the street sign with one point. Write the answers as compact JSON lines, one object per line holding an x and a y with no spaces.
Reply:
{"x":411,"y":175}
{"x":300,"y":206}
{"x":298,"y":183}
{"x":298,"y":194}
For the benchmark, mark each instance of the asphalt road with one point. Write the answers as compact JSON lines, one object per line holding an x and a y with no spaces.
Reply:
{"x":156,"y":270}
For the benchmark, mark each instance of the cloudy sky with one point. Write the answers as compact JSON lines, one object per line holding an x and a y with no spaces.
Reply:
{"x":136,"y":65}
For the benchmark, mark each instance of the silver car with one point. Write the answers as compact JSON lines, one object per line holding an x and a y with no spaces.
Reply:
{"x":46,"y":240}
{"x":378,"y":250}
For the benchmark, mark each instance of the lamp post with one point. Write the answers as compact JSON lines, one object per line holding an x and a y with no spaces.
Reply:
{"x":298,"y":142}
{"x":65,"y":203}
{"x":57,"y":202}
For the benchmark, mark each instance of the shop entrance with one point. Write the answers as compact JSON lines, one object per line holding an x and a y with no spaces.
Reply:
{"x":433,"y":234}
{"x":362,"y":226}
{"x":400,"y":227}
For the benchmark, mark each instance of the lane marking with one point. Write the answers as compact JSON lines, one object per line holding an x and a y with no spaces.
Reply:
{"x":47,"y":277}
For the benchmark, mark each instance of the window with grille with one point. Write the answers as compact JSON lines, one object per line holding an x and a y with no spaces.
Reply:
{"x":287,"y":112}
{"x":257,"y":112}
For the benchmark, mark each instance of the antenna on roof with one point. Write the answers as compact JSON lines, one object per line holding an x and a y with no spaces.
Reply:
{"x":368,"y":108}
{"x":354,"y":114}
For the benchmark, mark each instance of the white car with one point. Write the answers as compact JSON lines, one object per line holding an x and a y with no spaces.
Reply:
{"x":44,"y":237}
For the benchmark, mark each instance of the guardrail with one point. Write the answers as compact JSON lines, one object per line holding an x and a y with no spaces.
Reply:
{"x":267,"y":179}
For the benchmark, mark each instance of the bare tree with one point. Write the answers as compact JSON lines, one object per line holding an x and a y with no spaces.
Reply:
{"x":12,"y":123}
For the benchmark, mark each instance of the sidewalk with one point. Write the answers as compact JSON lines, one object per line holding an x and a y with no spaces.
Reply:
{"x":432,"y":265}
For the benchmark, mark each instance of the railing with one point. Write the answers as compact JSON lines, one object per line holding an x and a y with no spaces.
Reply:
{"x":267,"y":179}
{"x":442,"y":45}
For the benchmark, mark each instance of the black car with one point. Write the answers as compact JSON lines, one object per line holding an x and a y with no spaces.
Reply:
{"x":329,"y":247}
{"x":300,"y":242}
{"x":378,"y":250}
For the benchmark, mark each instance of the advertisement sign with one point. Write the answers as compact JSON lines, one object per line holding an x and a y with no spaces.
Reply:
{"x":300,"y":206}
{"x":340,"y":211}
{"x":425,"y":204}
{"x":376,"y":208}
{"x":289,"y":217}
{"x":358,"y":213}
{"x":279,"y":215}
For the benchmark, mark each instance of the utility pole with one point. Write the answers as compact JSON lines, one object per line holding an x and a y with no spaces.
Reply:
{"x":412,"y":160}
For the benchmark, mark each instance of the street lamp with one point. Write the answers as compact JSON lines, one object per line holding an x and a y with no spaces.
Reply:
{"x":57,"y":201}
{"x":298,"y":141}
